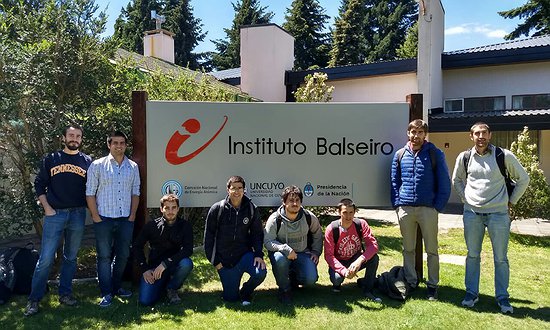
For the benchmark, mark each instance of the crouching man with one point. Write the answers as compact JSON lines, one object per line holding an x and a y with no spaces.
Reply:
{"x":171,"y":244}
{"x":345,"y":252}
{"x":294,"y":241}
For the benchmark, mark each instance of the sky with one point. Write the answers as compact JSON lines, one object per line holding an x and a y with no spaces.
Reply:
{"x":468,"y":23}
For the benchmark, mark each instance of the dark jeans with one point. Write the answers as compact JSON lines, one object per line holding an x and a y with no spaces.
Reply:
{"x":231,"y":277}
{"x":371,"y":267}
{"x":150,"y":293}
{"x":303,"y":267}
{"x":113,"y":237}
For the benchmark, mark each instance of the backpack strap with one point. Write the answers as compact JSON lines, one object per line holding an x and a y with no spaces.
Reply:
{"x":466,"y":160}
{"x":433,"y":158}
{"x":399,"y":154}
{"x":335,"y":232}
{"x":499,"y":155}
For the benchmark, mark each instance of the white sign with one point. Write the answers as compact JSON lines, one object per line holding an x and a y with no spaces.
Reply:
{"x":329,"y":150}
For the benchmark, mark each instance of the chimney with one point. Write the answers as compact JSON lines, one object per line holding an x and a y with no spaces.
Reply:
{"x":159,"y":43}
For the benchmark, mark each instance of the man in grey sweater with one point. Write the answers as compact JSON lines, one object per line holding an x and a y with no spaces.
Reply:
{"x":294,"y":241}
{"x":482,"y":187}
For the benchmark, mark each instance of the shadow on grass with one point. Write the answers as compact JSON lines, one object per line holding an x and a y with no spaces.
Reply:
{"x":388,"y":243}
{"x":530,"y":240}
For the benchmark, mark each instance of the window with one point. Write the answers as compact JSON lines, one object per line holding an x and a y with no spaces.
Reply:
{"x":453,"y":105}
{"x":534,"y":101}
{"x":504,"y":139}
{"x":484,"y":103}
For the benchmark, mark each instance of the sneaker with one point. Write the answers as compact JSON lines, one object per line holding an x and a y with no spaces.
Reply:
{"x":246,"y":298}
{"x":470,"y":300}
{"x":173,"y":297}
{"x":106,"y":301}
{"x":432,"y":293}
{"x":505,"y":307}
{"x":336,"y":288}
{"x":32,"y":308}
{"x":123,"y":293}
{"x":68,"y":300}
{"x":372,"y":297}
{"x":285,"y":297}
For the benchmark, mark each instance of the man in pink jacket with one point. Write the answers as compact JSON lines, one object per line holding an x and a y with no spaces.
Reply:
{"x":345,"y":252}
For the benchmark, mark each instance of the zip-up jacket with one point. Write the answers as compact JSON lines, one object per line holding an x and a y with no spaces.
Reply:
{"x":416,"y":184}
{"x":169,"y":244}
{"x":235,"y":233}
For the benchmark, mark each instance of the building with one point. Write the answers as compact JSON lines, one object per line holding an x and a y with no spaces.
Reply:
{"x":506,"y":85}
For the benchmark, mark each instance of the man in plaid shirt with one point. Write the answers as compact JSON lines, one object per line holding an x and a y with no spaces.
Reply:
{"x":112,"y":194}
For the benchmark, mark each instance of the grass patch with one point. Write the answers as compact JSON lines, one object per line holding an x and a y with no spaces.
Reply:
{"x":318,"y":307}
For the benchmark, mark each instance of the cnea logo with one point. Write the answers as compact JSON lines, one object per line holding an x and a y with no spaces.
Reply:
{"x":191,"y":126}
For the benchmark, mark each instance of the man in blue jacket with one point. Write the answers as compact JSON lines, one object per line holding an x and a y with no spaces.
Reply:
{"x":420,"y":188}
{"x":233,"y":238}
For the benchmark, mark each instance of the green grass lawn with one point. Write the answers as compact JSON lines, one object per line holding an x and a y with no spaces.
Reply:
{"x":318,"y":307}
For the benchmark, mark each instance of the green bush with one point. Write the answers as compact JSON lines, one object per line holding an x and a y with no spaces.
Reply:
{"x":535,"y":203}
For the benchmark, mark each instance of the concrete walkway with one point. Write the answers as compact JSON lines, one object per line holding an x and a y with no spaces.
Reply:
{"x":453,"y":219}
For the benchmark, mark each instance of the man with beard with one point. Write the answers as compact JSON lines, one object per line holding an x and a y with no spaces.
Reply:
{"x":294,"y":241}
{"x":420,"y":189}
{"x":478,"y":178}
{"x":60,"y":186}
{"x":171,"y":244}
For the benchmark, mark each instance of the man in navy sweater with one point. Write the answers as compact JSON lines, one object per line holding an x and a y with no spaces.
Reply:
{"x":171,"y":244}
{"x":420,"y":188}
{"x":60,"y":187}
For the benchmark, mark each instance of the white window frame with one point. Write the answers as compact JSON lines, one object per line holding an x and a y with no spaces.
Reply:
{"x":453,"y":111}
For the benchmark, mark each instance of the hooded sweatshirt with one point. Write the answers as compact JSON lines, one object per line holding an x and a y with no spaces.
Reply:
{"x":292,"y":235}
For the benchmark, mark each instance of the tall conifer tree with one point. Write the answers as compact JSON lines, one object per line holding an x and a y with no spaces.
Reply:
{"x":349,"y":44}
{"x":247,"y":12}
{"x":536,"y":15}
{"x":305,"y":21}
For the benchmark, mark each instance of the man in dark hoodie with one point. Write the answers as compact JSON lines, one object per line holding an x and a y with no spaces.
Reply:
{"x":233,"y":239}
{"x":294,"y":239}
{"x":171,"y":244}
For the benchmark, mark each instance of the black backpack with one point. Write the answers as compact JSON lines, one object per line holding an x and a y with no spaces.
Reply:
{"x":393,"y":284}
{"x":16,"y":270}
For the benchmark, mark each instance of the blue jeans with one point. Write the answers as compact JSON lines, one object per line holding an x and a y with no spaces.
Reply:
{"x":231,"y":277}
{"x":498,"y":226}
{"x":303,"y":267}
{"x":70,"y":224}
{"x":150,"y":293}
{"x":113,"y":237}
{"x":370,"y":273}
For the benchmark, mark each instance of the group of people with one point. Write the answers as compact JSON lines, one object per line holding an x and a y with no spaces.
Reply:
{"x":420,"y":189}
{"x":234,"y":237}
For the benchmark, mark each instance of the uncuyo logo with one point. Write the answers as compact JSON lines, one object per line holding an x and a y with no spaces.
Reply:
{"x":191,"y":126}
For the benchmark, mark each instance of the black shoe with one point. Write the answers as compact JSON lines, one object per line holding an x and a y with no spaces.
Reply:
{"x":293,"y":280}
{"x":361,"y":282}
{"x":32,"y":308}
{"x":336,"y":288}
{"x":285,"y":297}
{"x":246,"y":297}
{"x":432,"y":293}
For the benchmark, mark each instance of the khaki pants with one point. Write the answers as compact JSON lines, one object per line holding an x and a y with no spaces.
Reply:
{"x":425,"y":217}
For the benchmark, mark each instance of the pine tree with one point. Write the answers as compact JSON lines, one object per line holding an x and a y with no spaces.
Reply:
{"x":386,"y":24}
{"x":349,"y":44}
{"x":247,"y":12}
{"x":409,"y":48}
{"x":188,"y":32}
{"x":132,"y":22}
{"x":305,"y":21}
{"x":537,"y":17}
{"x":136,"y":19}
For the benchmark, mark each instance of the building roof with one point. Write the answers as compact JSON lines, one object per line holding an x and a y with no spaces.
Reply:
{"x":533,"y":49}
{"x":501,"y":120}
{"x":226,"y":74}
{"x":150,"y":64}
{"x":514,"y":44}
